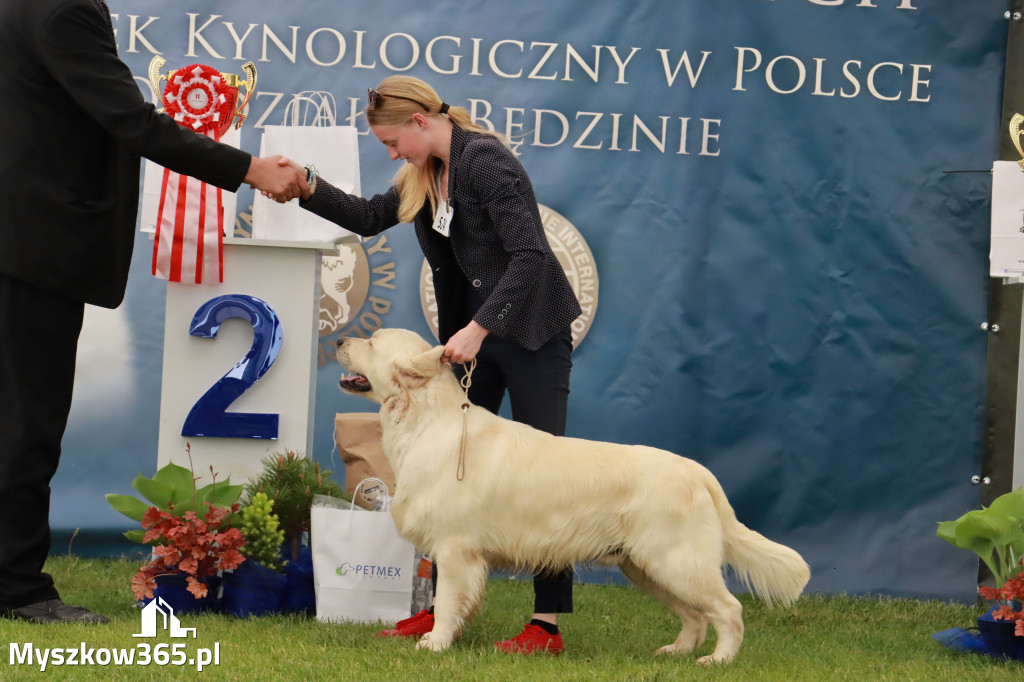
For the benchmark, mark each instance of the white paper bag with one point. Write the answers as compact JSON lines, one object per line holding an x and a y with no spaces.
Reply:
{"x":362,"y":568}
{"x":334,"y":150}
{"x":1006,"y":254}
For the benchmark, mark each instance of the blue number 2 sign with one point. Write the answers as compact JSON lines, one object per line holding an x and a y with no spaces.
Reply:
{"x":209,"y":416}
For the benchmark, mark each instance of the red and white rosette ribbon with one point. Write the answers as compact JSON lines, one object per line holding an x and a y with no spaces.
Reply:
{"x":188,"y":245}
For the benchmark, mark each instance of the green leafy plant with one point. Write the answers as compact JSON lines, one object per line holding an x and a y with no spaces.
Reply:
{"x":291,"y":481}
{"x":185,"y":543}
{"x":995,"y":533}
{"x":260,"y":528}
{"x":173,"y":487}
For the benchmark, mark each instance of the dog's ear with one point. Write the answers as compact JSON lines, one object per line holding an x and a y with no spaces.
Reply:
{"x":419,"y":368}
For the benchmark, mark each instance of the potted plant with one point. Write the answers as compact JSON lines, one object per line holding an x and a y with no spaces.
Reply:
{"x":257,"y":587}
{"x":996,"y":534}
{"x":190,"y":549}
{"x":190,"y":531}
{"x":291,"y":481}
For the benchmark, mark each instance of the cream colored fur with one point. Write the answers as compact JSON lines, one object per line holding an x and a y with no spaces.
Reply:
{"x":533,"y":501}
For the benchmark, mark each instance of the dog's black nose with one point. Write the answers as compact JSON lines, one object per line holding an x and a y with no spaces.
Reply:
{"x":341,"y":340}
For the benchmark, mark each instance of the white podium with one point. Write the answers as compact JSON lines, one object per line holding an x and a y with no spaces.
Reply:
{"x":240,"y":376}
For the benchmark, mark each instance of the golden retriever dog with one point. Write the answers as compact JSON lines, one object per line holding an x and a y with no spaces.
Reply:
{"x":530,"y":500}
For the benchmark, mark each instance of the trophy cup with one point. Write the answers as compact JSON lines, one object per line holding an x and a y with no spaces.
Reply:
{"x":188,"y":240}
{"x":200,"y":97}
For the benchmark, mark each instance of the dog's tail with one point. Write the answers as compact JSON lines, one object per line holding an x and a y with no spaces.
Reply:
{"x":774,"y":572}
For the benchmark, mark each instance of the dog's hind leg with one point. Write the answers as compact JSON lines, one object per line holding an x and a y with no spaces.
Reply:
{"x":700,"y":587}
{"x":694,"y":624}
{"x":461,"y":579}
{"x":726,"y":615}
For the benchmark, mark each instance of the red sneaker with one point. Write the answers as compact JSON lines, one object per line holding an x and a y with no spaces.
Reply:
{"x":416,"y":626}
{"x":531,"y":640}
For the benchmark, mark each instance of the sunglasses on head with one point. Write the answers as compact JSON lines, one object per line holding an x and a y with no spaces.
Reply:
{"x":375,"y":99}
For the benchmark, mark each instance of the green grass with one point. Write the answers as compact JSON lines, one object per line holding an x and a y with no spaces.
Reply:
{"x":611,"y":636}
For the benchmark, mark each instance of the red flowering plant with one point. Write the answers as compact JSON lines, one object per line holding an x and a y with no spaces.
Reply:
{"x":1008,"y":598}
{"x":996,"y":534}
{"x":190,"y":545}
{"x":184,"y":542}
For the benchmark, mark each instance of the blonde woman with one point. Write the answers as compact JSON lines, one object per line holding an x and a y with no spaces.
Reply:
{"x":502,"y":296}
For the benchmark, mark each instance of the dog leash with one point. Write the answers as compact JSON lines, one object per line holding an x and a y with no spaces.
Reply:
{"x":466,"y":381}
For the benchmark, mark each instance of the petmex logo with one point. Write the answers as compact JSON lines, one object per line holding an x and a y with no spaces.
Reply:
{"x":372,"y":571}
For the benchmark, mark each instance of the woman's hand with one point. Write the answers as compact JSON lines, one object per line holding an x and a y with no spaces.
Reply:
{"x":464,"y":344}
{"x":298,"y":167}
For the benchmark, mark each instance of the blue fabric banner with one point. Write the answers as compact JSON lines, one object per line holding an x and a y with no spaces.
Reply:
{"x":784,"y":202}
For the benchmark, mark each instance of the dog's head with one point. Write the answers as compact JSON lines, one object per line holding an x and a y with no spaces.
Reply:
{"x":387,"y":364}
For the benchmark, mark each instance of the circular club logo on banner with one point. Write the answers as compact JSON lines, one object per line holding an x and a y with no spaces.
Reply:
{"x":572,"y":252}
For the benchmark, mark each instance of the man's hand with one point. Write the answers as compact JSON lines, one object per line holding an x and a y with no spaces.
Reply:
{"x":281,"y":181}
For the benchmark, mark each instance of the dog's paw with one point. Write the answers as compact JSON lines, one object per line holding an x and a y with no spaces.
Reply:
{"x":712,"y":660}
{"x":682,"y":646}
{"x":433,"y":643}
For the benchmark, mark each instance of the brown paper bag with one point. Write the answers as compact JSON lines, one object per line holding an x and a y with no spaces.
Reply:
{"x":358,"y":436}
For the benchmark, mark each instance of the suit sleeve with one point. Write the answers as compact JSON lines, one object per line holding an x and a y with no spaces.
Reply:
{"x":78,"y":49}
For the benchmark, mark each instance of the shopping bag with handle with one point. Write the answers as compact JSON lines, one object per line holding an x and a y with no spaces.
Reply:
{"x":362,"y":569}
{"x":309,"y":135}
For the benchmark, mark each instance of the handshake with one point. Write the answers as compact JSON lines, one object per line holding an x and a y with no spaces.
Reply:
{"x":278,"y":178}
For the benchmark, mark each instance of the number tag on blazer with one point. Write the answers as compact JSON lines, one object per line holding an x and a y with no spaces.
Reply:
{"x":443,"y":218}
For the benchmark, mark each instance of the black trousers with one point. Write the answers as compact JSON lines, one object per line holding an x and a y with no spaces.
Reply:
{"x":38,"y":344}
{"x":537,"y":383}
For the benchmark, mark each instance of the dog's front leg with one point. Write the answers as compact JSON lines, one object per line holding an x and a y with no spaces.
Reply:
{"x":461,"y":578}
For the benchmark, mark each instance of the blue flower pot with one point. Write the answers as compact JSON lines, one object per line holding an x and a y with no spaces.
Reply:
{"x":299,"y":593}
{"x":999,"y":638}
{"x":252,"y":589}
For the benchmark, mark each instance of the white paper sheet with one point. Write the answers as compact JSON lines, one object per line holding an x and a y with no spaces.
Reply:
{"x":1006,"y":257}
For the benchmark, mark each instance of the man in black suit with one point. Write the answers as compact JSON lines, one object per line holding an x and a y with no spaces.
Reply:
{"x":73,"y":126}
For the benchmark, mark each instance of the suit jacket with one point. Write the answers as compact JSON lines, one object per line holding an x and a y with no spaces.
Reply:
{"x":496,"y":246}
{"x":73,"y":125}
